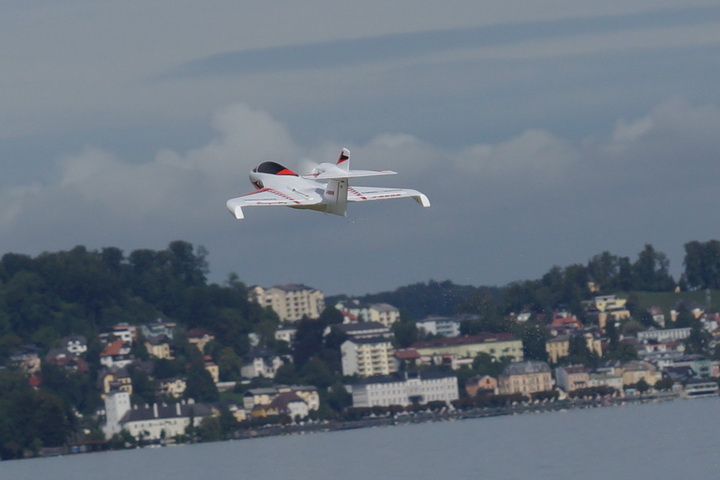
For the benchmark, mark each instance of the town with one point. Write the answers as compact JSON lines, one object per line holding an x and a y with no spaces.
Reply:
{"x":308,"y":359}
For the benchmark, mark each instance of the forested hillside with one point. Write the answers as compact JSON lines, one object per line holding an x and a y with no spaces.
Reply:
{"x":82,"y":292}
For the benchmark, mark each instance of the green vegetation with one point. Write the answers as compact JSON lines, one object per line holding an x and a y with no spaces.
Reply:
{"x":83,"y":292}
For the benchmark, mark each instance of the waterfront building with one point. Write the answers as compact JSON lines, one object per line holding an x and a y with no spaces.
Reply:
{"x":572,"y":377}
{"x":405,"y":389}
{"x":150,"y":423}
{"x":265,"y":396}
{"x":525,"y":378}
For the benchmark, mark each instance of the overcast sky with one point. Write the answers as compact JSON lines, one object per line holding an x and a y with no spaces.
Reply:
{"x":543,"y":131}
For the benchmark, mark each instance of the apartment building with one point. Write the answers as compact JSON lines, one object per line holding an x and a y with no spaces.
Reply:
{"x":367,"y":356}
{"x":291,"y":302}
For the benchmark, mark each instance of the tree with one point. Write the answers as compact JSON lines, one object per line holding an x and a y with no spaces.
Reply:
{"x":651,"y":271}
{"x":200,"y":385}
{"x":702,"y":264}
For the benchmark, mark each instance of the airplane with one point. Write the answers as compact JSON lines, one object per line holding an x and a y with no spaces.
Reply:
{"x":326,"y":189}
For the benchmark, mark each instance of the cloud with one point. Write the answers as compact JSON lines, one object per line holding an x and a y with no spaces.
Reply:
{"x":393,"y":47}
{"x":489,"y":200}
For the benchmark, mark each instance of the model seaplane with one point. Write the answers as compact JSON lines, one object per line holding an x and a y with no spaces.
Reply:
{"x":326,"y":189}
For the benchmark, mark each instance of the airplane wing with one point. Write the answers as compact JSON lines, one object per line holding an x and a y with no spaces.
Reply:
{"x":364,"y":194}
{"x":270,"y":196}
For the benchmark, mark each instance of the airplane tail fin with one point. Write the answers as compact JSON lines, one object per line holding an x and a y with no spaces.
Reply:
{"x":343,"y":161}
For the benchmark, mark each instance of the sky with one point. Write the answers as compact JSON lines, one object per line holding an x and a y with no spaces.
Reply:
{"x":544,"y":132}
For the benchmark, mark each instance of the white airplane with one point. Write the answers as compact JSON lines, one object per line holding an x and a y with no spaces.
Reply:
{"x":277,"y":185}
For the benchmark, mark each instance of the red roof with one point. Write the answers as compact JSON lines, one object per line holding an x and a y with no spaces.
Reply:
{"x":113,"y":348}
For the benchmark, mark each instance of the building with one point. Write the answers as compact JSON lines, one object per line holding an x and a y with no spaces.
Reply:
{"x":172,"y":387}
{"x":634,"y":371}
{"x":261,"y":362}
{"x":364,"y":329}
{"x":200,"y":337}
{"x":525,"y":378}
{"x":497,"y":345}
{"x":116,"y":354}
{"x":265,"y":396}
{"x":405,"y":389}
{"x":159,"y":328}
{"x":606,"y":307}
{"x":481,"y":384}
{"x":150,"y":423}
{"x":382,"y":313}
{"x":443,"y":326}
{"x":115,"y":379}
{"x":367,"y":356}
{"x":573,"y":377}
{"x":559,"y":347}
{"x":75,"y":344}
{"x":668,"y":335}
{"x":290,"y":302}
{"x":286,"y":334}
{"x":159,"y":347}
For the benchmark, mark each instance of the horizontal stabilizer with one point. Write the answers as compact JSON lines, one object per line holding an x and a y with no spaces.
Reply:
{"x":349,"y":174}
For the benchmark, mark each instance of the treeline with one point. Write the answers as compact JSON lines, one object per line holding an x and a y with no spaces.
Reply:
{"x":83,"y":292}
{"x":52,"y":295}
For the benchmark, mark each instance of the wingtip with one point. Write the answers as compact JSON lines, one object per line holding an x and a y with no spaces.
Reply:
{"x":422,"y":200}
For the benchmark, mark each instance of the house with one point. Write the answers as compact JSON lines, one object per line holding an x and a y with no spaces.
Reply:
{"x":497,"y":345}
{"x":116,"y":354}
{"x":286,"y":334}
{"x":261,"y":362}
{"x":27,"y":358}
{"x":285,"y":403}
{"x":74,"y":344}
{"x":605,"y":307}
{"x":159,"y":347}
{"x":265,"y":396}
{"x":172,"y":387}
{"x":636,"y":370}
{"x":559,"y":346}
{"x":405,"y":388}
{"x":573,"y":377}
{"x":151,"y":423}
{"x":124,"y":331}
{"x":159,"y":328}
{"x":63,"y":358}
{"x":291,"y":302}
{"x":525,"y":378}
{"x":367,"y":356}
{"x":382,"y":313}
{"x":212,"y":368}
{"x":115,"y":379}
{"x":481,"y":384}
{"x":200,"y":337}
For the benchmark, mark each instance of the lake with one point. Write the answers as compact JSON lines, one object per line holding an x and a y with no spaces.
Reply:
{"x":670,"y":440}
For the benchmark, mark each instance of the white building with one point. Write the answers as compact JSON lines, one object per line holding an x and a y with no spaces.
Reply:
{"x":150,"y":423}
{"x":383,"y":313}
{"x":668,"y":335}
{"x":367,"y":356}
{"x":261,"y":362}
{"x":290,"y":302}
{"x":405,"y":389}
{"x":286,"y":334}
{"x":445,"y":326}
